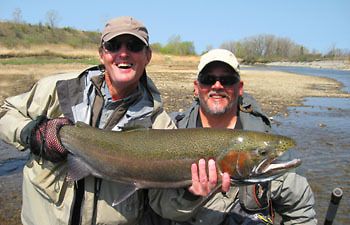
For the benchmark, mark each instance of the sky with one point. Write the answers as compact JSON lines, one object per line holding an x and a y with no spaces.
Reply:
{"x":316,"y":24}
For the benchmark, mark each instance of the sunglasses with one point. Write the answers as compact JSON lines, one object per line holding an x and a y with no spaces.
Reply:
{"x":206,"y":79}
{"x":133,"y":45}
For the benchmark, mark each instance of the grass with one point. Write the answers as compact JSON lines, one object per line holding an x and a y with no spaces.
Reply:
{"x":40,"y":60}
{"x":48,"y":54}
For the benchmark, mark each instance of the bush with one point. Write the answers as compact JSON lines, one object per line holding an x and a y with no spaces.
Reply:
{"x":175,"y":47}
{"x":12,"y":35}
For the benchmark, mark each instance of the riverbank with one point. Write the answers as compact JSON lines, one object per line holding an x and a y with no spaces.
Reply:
{"x":327,"y":64}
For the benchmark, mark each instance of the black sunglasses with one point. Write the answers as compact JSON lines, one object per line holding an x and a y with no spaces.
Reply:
{"x":207,"y":79}
{"x":133,"y":45}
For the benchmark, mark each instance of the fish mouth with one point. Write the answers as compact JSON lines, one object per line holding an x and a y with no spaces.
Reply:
{"x":273,"y":167}
{"x":268,"y":169}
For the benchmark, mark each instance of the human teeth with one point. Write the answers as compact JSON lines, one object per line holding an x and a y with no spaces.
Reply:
{"x":216,"y":96}
{"x":124,"y":65}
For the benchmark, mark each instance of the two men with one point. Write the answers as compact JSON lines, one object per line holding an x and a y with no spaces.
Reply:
{"x":111,"y":96}
{"x":221,"y":103}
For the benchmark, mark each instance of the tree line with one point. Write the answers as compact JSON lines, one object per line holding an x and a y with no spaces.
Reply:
{"x":269,"y":48}
{"x":256,"y":49}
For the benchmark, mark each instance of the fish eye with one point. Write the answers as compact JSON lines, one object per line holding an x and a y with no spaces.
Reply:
{"x":262,"y":151}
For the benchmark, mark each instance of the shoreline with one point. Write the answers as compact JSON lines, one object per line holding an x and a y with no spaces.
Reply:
{"x":322,"y":64}
{"x":276,"y":91}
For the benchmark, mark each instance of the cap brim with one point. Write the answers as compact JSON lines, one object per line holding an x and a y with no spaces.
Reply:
{"x":202,"y":66}
{"x":110,"y":36}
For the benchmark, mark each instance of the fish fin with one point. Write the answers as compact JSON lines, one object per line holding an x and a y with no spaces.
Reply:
{"x":81,"y":124}
{"x":125,"y":195}
{"x":76,"y":168}
{"x":134,"y":128}
{"x":203,"y":200}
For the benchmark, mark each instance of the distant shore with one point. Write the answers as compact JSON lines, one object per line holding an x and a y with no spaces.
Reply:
{"x":327,"y":64}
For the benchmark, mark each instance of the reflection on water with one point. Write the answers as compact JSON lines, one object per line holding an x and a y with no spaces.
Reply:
{"x":322,"y":131}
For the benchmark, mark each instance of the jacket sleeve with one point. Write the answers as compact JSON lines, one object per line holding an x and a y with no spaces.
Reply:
{"x":19,"y":110}
{"x":175,"y":204}
{"x":292,"y":198}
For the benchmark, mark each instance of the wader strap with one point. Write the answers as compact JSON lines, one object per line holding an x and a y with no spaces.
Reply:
{"x":98,"y":182}
{"x":79,"y":195}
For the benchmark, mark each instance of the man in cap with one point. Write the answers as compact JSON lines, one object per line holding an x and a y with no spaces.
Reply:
{"x":116,"y":94}
{"x":221,"y":103}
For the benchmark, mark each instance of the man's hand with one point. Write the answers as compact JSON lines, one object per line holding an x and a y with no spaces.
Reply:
{"x":203,"y":184}
{"x":41,"y":135}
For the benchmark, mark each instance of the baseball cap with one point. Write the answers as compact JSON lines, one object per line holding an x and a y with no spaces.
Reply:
{"x":220,"y":55}
{"x":124,"y":25}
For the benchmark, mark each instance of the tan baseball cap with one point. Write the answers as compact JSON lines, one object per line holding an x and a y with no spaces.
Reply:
{"x":124,"y":25}
{"x":221,"y":55}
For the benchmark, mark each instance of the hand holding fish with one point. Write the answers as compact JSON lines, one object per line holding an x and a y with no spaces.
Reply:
{"x":202,"y":185}
{"x":41,"y":136}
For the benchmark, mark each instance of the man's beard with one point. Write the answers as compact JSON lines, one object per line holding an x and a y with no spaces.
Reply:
{"x":216,"y":109}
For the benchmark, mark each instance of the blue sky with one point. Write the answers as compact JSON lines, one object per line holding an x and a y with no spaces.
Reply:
{"x":316,"y":24}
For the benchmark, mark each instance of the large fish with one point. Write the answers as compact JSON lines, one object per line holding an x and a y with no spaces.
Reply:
{"x":149,"y":158}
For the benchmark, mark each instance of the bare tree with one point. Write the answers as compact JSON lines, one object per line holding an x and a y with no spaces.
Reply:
{"x":266,"y":47}
{"x":17,"y":16}
{"x":52,"y":18}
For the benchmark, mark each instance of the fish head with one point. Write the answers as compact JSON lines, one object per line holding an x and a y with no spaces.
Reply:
{"x":253,"y":157}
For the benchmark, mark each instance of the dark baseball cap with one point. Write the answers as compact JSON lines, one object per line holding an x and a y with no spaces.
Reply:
{"x":124,"y":25}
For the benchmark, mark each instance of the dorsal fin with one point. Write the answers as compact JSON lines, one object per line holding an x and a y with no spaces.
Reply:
{"x":134,"y":128}
{"x":81,"y":124}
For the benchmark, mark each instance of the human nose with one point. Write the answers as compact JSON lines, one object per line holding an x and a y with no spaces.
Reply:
{"x":123,"y":51}
{"x":217,"y":85}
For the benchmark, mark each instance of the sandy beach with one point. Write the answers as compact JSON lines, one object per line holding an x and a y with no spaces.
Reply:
{"x":174,"y":77}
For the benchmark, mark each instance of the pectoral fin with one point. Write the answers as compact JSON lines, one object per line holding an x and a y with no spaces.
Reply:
{"x":77,"y":169}
{"x":125,"y":194}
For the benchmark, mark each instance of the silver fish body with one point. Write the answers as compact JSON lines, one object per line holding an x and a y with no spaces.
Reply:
{"x":150,"y":158}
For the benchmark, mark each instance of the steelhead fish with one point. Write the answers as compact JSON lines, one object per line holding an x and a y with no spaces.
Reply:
{"x":150,"y":158}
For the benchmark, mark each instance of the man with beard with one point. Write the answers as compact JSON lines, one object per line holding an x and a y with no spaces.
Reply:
{"x":221,"y":103}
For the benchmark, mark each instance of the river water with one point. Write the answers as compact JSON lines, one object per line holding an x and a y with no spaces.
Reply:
{"x":321,"y":128}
